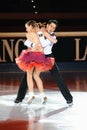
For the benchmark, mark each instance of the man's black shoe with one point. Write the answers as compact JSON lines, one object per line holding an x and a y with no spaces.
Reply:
{"x":70,"y":103}
{"x":17,"y":100}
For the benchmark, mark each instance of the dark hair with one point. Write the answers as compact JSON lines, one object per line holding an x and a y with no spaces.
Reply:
{"x":33,"y":23}
{"x":53,"y":21}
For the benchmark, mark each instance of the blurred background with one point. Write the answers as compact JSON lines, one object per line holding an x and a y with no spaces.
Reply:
{"x":72,"y":15}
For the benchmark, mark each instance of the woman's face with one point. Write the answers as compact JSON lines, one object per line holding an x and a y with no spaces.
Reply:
{"x":28,"y":28}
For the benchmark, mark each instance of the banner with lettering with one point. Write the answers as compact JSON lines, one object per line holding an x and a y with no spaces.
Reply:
{"x":67,"y":49}
{"x":71,"y":49}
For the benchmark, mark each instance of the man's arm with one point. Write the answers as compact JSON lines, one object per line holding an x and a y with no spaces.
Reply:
{"x":51,"y":38}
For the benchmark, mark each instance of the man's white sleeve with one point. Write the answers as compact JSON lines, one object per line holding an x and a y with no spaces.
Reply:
{"x":28,"y":43}
{"x":44,"y":42}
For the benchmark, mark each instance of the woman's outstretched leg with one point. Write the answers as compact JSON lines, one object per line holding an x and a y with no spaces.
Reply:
{"x":30,"y":83}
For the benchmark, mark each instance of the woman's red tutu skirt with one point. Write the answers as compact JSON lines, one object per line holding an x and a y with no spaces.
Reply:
{"x":28,"y":60}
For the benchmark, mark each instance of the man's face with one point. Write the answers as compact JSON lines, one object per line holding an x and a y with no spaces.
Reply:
{"x":51,"y":27}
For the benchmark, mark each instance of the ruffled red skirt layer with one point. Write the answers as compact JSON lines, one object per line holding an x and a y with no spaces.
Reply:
{"x":28,"y":59}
